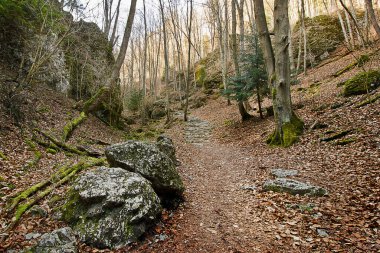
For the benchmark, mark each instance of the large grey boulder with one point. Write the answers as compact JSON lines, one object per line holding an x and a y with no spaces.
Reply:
{"x":293,"y":187}
{"x":111,"y":207}
{"x":59,"y":241}
{"x":150,"y":162}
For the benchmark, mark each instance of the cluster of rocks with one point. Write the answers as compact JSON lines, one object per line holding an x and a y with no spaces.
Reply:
{"x":282,"y":183}
{"x":112,"y":207}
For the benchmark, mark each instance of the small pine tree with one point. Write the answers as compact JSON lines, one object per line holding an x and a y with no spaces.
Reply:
{"x":253,"y":74}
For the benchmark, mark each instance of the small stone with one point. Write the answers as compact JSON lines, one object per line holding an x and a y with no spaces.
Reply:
{"x":31,"y":236}
{"x":322,"y":232}
{"x":59,"y":241}
{"x":281,"y":173}
{"x":248,"y":187}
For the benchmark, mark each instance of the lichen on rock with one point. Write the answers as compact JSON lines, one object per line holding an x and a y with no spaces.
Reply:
{"x":150,"y":162}
{"x":111,"y":207}
{"x":293,"y":187}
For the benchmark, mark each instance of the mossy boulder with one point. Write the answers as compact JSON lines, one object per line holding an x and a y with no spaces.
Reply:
{"x":150,"y":162}
{"x":293,"y":187}
{"x":324,"y":35}
{"x":362,"y":83}
{"x":111,"y":207}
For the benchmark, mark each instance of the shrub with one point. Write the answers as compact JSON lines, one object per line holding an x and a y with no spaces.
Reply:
{"x":133,"y":99}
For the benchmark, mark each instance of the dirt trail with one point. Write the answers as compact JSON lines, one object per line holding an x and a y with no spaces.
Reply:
{"x":217,"y":215}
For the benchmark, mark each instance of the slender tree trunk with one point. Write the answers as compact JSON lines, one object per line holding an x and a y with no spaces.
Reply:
{"x":145,"y":50}
{"x":341,"y":21}
{"x":243,"y":113}
{"x":215,"y":8}
{"x":264,"y":37}
{"x":166,"y":59}
{"x":226,"y":47}
{"x":348,"y":12}
{"x":124,"y":45}
{"x":304,"y":37}
{"x":189,"y":21}
{"x":113,"y":35}
{"x":373,"y":18}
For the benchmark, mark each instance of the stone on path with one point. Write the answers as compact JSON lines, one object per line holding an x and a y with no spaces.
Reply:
{"x":293,"y":187}
{"x":283,"y":173}
{"x":111,"y":207}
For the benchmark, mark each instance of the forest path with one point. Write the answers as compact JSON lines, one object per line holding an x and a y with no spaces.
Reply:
{"x":217,"y":215}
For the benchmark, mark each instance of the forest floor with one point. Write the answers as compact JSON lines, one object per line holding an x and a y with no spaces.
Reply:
{"x":224,"y":164}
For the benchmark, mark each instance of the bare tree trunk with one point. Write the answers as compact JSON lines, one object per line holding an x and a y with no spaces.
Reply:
{"x":124,"y":45}
{"x":226,"y":48}
{"x":145,"y":50}
{"x":166,"y":58}
{"x":189,"y":22}
{"x":341,"y":21}
{"x":114,"y":29}
{"x":288,"y":125}
{"x":264,"y":37}
{"x":243,"y":113}
{"x":373,"y":18}
{"x":304,"y":37}
{"x":361,"y":37}
{"x":216,"y":10}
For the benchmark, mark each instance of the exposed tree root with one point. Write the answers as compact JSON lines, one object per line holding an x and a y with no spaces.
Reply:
{"x":368,"y":101}
{"x":357,"y":63}
{"x":337,"y":136}
{"x":58,"y":179}
{"x":62,"y":145}
{"x":70,"y":127}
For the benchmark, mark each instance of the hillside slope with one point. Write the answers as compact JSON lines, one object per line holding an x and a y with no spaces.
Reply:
{"x":224,"y":165}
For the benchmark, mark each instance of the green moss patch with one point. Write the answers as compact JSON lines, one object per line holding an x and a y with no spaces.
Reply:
{"x":3,"y":157}
{"x":323,"y":32}
{"x":362,"y":83}
{"x":200,"y":75}
{"x":289,"y":134}
{"x":345,"y":141}
{"x":70,"y":127}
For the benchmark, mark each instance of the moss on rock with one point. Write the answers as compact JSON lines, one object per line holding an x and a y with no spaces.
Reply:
{"x":362,"y":83}
{"x":200,"y":75}
{"x":324,"y":34}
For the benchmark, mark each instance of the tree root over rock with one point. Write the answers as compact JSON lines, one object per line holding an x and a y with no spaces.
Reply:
{"x":60,"y":145}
